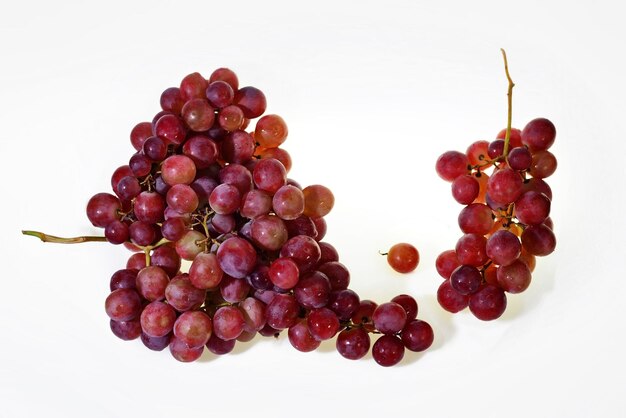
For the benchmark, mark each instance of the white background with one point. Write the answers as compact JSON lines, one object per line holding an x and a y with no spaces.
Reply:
{"x":373,"y":92}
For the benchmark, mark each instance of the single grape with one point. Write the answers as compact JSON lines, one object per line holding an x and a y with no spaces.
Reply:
{"x":476,"y":218}
{"x":126,"y":330}
{"x":182,"y":198}
{"x":251,"y":100}
{"x":322,"y":323}
{"x":182,"y":352}
{"x":302,"y":249}
{"x":220,"y":94}
{"x":202,"y":150}
{"x":198,"y":115}
{"x":155,"y":148}
{"x":151,"y":283}
{"x":488,"y":303}
{"x":477,"y":153}
{"x":471,"y":250}
{"x":302,"y":225}
{"x":388,"y":350}
{"x":259,"y":278}
{"x":218,"y":346}
{"x":417,"y":335}
{"x":178,"y":169}
{"x":271,"y":131}
{"x":466,"y":279}
{"x":446,"y":263}
{"x":123,"y":305}
{"x":353,"y":343}
{"x":117,"y":232}
{"x":465,"y":189}
{"x":238,"y":176}
{"x":225,"y":199}
{"x":514,"y":278}
{"x":205,"y":272}
{"x":173,"y":229}
{"x":389,"y":318}
{"x":345,"y":303}
{"x":539,"y":186}
{"x":269,"y":232}
{"x":155,"y":343}
{"x":282,"y":312}
{"x":139,"y":134}
{"x":193,"y":328}
{"x":504,"y":186}
{"x":234,"y":290}
{"x":338,"y":274}
{"x":253,"y":311}
{"x":128,"y":187}
{"x":539,"y":134}
{"x":182,"y":295}
{"x":532,"y":208}
{"x":328,"y":253}
{"x":452,"y":164}
{"x":102,"y":209}
{"x":269,"y":175}
{"x":237,"y":147}
{"x":312,"y":290}
{"x":520,"y":159}
{"x":193,"y":86}
{"x":284,"y":272}
{"x":231,"y":118}
{"x":123,"y":279}
{"x":190,"y":245}
{"x":403,"y":257}
{"x":228,"y":322}
{"x":363,"y":315}
{"x":543,"y":165}
{"x":171,"y":100}
{"x":318,"y":201}
{"x":255,"y":203}
{"x":503,"y":247}
{"x":496,"y":148}
{"x":157,"y":319}
{"x":170,"y":128}
{"x":288,"y":202}
{"x":538,"y":240}
{"x":300,"y":337}
{"x":166,"y":257}
{"x":236,"y":257}
{"x":450,"y":299}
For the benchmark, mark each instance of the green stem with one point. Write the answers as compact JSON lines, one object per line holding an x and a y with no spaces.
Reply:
{"x":59,"y":240}
{"x":509,"y":94}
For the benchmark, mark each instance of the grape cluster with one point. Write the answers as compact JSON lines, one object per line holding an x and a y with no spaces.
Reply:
{"x":202,"y":188}
{"x":505,"y":219}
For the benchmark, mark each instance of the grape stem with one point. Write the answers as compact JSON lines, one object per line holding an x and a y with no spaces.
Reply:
{"x":59,"y":240}
{"x":509,"y":95}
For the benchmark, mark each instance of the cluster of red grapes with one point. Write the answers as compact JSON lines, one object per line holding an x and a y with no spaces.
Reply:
{"x":505,"y":220}
{"x":201,"y":188}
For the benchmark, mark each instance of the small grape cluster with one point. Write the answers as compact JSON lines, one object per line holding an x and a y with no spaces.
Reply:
{"x":505,"y":222}
{"x":201,"y":188}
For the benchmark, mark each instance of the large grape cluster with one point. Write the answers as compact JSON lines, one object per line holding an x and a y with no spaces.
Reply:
{"x":505,"y":219}
{"x":203,"y":187}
